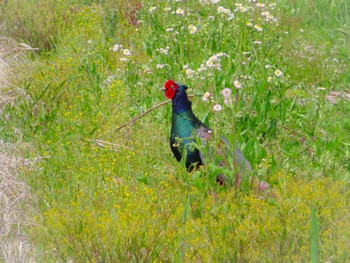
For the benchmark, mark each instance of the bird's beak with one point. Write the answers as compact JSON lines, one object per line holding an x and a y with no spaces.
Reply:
{"x":162,"y":89}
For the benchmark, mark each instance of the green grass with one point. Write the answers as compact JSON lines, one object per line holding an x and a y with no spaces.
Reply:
{"x":132,"y":201}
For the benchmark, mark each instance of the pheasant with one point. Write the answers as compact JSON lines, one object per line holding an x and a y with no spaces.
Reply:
{"x":186,"y":127}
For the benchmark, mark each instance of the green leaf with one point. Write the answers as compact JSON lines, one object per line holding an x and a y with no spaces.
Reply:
{"x":186,"y":210}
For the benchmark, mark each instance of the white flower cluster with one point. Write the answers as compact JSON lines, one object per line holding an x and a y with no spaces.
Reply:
{"x":126,"y":52}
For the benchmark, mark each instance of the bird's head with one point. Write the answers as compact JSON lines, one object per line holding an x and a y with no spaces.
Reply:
{"x":171,"y":89}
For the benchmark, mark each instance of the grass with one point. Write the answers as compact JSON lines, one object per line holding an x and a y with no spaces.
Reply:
{"x":131,"y":200}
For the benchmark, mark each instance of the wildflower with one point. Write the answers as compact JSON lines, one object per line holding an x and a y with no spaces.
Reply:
{"x":192,"y":29}
{"x":243,"y":9}
{"x":116,"y":47}
{"x":217,"y":107}
{"x":221,"y":54}
{"x":237,"y":84}
{"x":180,"y":11}
{"x":210,"y":63}
{"x":260,"y":5}
{"x":123,"y":59}
{"x":163,"y":50}
{"x":189,"y":72}
{"x":258,"y":27}
{"x":230,"y":17}
{"x":227,"y":101}
{"x":151,"y":9}
{"x":267,"y":66}
{"x":126,"y":52}
{"x":221,"y":9}
{"x":160,"y":66}
{"x":215,"y":1}
{"x":249,"y":24}
{"x":166,"y":9}
{"x":213,"y":58}
{"x":278,"y":73}
{"x":257,"y":42}
{"x":169,"y":29}
{"x":206,"y":96}
{"x":265,"y":13}
{"x":202,"y":68}
{"x":211,"y":18}
{"x":227,"y":11}
{"x":226,"y":92}
{"x":269,"y":79}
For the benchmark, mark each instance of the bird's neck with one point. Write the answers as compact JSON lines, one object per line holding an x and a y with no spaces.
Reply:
{"x":181,"y":104}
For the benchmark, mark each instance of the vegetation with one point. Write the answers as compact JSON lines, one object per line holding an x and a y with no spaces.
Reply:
{"x":102,"y":63}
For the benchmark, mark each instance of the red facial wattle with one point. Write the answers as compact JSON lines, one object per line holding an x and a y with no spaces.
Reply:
{"x":170,"y":89}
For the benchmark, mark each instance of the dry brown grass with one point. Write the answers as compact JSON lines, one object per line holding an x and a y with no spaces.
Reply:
{"x":14,"y":193}
{"x":14,"y":206}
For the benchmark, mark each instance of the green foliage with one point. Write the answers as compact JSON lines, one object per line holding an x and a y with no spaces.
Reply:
{"x":102,"y":63}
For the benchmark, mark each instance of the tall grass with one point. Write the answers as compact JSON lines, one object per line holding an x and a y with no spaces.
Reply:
{"x":131,"y":201}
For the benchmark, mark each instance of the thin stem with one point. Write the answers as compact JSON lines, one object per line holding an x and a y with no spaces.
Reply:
{"x":146,"y":112}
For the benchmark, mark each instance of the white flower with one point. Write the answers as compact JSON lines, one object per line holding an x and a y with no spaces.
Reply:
{"x":278,"y":73}
{"x":267,"y":66}
{"x":163,"y":51}
{"x":217,"y":107}
{"x":151,"y":9}
{"x":269,"y":79}
{"x":230,"y":17}
{"x":237,"y":84}
{"x":227,"y":11}
{"x":258,"y":27}
{"x":202,"y":68}
{"x":166,"y":9}
{"x":221,"y":9}
{"x":243,"y":9}
{"x":257,"y":42}
{"x":116,"y":47}
{"x":206,"y":96}
{"x":169,"y":29}
{"x":160,"y":65}
{"x":180,"y":11}
{"x":226,"y":92}
{"x":210,"y":63}
{"x":213,"y":58}
{"x":189,"y":72}
{"x":260,"y":5}
{"x":126,"y":52}
{"x":192,"y":29}
{"x":123,"y":59}
{"x":249,"y":24}
{"x":215,"y":1}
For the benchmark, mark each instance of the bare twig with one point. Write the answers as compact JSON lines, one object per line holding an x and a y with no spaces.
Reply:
{"x":107,"y":144}
{"x":146,"y":112}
